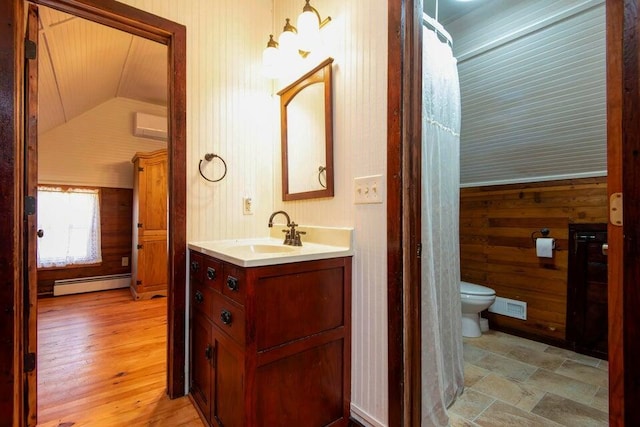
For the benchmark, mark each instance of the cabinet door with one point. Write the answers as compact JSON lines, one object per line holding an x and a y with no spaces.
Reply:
{"x":152,"y":268}
{"x":153,"y":195}
{"x":228,"y":405}
{"x":201,"y":367}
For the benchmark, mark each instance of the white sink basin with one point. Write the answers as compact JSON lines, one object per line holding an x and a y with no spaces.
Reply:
{"x":318,"y":243}
{"x":263,"y":249}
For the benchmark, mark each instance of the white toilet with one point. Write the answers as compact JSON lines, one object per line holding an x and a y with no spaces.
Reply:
{"x":475,"y":298}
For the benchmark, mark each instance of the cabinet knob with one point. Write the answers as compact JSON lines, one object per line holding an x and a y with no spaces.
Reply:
{"x":232,"y":284}
{"x":199,"y":297}
{"x":208,"y":351}
{"x":225,"y":316}
{"x":211,"y":273}
{"x":195,"y":266}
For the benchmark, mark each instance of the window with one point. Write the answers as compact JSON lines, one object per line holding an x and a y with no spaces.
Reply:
{"x":70,"y":218}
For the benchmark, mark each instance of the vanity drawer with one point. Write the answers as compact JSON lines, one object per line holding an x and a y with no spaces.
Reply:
{"x":213,"y":274}
{"x":202,"y":298}
{"x":228,"y":316}
{"x":196,"y":267}
{"x":235,"y":285}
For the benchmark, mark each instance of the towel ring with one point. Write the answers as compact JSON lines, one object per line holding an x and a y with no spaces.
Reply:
{"x":320,"y":170}
{"x":208,"y":157}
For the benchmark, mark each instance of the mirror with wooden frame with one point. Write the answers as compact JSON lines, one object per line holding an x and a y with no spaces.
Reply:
{"x":306,"y":118}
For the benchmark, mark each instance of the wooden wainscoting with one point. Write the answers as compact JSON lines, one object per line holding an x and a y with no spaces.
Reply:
{"x":496,"y":248}
{"x":115,"y":224}
{"x":102,"y":361}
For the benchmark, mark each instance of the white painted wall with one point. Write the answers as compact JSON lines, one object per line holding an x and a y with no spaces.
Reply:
{"x":229,"y":113}
{"x":96,"y":147}
{"x":357,"y":39}
{"x":232,"y":110}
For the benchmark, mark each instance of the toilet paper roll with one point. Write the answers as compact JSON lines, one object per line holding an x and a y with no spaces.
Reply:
{"x":544,"y":247}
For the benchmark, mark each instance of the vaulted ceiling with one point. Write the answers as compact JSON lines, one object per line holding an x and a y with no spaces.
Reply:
{"x":83,"y":64}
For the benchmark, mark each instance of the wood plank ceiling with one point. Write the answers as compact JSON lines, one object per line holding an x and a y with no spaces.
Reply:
{"x":84,"y":64}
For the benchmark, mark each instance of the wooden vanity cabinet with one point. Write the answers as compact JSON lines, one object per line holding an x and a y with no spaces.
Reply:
{"x":271,"y":346}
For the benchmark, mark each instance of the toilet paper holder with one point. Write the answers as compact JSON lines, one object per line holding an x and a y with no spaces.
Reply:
{"x":544,"y":232}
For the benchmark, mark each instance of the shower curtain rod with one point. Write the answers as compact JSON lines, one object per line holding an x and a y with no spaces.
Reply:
{"x":438,"y":28}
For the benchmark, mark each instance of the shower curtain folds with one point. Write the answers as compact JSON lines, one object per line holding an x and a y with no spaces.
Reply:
{"x":442,"y":363}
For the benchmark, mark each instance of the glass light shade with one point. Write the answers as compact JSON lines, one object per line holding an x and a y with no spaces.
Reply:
{"x":288,"y":42}
{"x":270,"y":62}
{"x":308,"y":31}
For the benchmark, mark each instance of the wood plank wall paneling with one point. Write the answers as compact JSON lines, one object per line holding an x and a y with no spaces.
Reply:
{"x":496,"y":248}
{"x":116,"y":227}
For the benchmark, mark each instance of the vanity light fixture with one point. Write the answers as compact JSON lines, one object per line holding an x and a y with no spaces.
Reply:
{"x":309,"y":24}
{"x":292,"y":40}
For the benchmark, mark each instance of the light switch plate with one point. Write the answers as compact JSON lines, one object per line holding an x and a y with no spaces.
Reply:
{"x":369,"y":189}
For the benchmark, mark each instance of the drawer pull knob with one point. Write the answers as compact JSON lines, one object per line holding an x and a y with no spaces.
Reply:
{"x":232,"y":284}
{"x":199,"y":297}
{"x":195,"y":266}
{"x":211,"y":273}
{"x":225,"y":316}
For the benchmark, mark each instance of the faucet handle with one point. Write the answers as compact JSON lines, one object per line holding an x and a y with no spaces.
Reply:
{"x":288,"y":238}
{"x":296,"y":240}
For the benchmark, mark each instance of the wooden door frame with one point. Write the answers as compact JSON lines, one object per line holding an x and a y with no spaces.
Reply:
{"x":403,"y":202}
{"x":404,"y":134}
{"x":623,"y":148}
{"x":134,"y":21}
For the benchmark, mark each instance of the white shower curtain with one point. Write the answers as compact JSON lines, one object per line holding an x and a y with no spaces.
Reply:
{"x":442,"y":365}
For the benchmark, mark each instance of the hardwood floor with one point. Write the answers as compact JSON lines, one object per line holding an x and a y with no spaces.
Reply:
{"x":102,"y":362}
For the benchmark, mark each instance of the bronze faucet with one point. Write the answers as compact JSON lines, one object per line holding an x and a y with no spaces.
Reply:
{"x":292,"y":238}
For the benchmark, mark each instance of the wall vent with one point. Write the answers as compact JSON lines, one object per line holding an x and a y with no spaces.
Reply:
{"x":509,"y":307}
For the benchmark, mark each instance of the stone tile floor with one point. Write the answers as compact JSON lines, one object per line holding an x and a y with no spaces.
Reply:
{"x":512,"y":381}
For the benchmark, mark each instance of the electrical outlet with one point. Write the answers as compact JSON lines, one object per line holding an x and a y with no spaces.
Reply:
{"x":247,"y":206}
{"x":125,"y":261}
{"x":369,"y":189}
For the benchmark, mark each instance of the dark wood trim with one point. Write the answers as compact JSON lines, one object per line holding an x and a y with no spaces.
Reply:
{"x":630,"y":174}
{"x":403,"y":210}
{"x":615,"y":19}
{"x":395,"y":302}
{"x":11,"y":176}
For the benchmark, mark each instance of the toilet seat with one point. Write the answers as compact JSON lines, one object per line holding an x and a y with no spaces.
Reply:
{"x":473,"y":289}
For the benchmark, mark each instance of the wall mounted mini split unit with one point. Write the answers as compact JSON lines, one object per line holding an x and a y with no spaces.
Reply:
{"x":150,"y":126}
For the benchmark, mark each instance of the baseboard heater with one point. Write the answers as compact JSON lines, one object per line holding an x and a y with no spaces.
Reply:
{"x":90,"y":284}
{"x":509,"y":307}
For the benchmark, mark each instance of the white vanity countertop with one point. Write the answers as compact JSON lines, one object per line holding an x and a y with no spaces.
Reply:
{"x":318,"y":243}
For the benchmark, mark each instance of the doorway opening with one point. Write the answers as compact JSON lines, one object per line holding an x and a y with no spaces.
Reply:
{"x":172,"y":35}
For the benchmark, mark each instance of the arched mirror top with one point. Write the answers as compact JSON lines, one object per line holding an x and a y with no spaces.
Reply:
{"x":306,"y":116}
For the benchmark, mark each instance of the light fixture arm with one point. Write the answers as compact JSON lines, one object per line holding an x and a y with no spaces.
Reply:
{"x":308,"y":8}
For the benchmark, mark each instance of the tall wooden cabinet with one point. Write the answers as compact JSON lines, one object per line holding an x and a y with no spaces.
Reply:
{"x":149,"y":268}
{"x":271,"y":346}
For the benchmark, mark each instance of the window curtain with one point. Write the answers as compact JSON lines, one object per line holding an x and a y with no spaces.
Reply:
{"x":442,"y":363}
{"x":70,"y":219}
